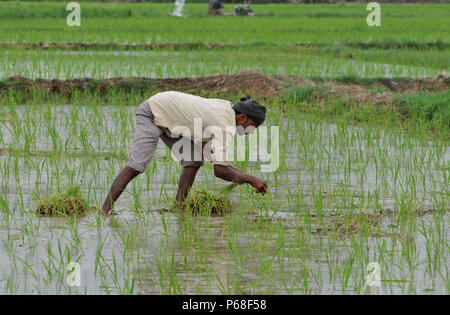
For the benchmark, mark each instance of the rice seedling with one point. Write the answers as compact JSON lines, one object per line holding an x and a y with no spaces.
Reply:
{"x":70,"y":203}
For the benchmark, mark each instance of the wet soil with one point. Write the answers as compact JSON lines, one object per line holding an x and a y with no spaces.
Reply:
{"x":344,"y":224}
{"x":347,"y":224}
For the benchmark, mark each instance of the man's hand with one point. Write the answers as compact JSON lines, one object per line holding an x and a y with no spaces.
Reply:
{"x":260,"y":185}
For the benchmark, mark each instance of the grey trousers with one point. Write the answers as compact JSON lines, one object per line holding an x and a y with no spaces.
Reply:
{"x":146,"y":138}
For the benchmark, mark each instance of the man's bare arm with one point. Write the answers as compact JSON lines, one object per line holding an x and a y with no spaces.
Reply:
{"x":236,"y":169}
{"x":232,"y":174}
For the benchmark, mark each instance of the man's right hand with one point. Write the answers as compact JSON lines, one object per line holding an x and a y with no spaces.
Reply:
{"x":260,"y":185}
{"x":232,"y":174}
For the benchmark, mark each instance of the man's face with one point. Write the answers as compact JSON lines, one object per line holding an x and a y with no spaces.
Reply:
{"x":244,"y":125}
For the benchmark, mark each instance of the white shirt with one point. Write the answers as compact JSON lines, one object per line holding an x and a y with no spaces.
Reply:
{"x":209,"y":120}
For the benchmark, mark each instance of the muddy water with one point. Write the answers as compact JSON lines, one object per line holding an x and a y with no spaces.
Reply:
{"x":325,"y":169}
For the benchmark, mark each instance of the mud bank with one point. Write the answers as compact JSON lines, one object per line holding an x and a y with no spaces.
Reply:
{"x":218,"y":45}
{"x":374,"y":91}
{"x":114,"y":46}
{"x":249,"y":81}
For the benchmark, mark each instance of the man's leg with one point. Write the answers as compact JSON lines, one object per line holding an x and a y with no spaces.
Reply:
{"x":186,"y":180}
{"x":118,"y":186}
{"x":191,"y":163}
{"x":144,"y":145}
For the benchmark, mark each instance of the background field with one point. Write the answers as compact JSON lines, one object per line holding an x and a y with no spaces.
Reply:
{"x":306,"y":40}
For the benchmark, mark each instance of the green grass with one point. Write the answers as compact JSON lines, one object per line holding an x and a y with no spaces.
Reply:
{"x":426,"y":106}
{"x":305,"y":93}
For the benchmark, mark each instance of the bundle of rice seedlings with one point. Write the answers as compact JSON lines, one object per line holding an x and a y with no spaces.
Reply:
{"x":71,"y":203}
{"x":202,"y":202}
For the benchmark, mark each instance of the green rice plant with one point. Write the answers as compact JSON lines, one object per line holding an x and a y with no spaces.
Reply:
{"x":305,"y":93}
{"x":202,"y":202}
{"x":427,"y":107}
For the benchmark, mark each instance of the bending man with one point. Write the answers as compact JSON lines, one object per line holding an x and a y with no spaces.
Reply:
{"x":193,"y":127}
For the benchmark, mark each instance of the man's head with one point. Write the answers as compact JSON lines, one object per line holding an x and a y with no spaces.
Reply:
{"x":249,"y":115}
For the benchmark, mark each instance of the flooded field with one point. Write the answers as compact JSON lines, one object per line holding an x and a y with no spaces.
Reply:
{"x":348,"y":203}
{"x":176,"y":64}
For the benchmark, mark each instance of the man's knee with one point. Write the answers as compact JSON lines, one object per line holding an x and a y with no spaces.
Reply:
{"x":130,"y":172}
{"x":194,"y":164}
